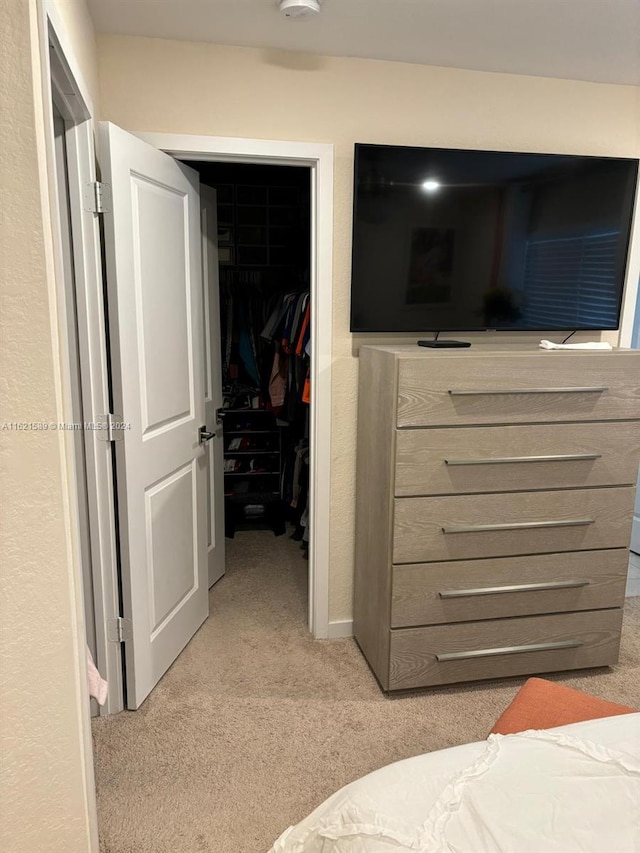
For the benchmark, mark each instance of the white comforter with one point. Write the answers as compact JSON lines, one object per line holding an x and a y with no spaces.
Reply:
{"x":574,"y":789}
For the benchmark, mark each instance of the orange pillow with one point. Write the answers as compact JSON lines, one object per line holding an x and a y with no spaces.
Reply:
{"x":541,"y":704}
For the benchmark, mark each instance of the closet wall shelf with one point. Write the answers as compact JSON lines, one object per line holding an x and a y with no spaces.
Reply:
{"x":242,"y":411}
{"x":232,"y":453}
{"x":252,"y":432}
{"x":253,"y":497}
{"x":252,"y":474}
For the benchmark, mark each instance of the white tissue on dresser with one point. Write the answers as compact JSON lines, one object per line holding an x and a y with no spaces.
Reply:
{"x":601,"y":345}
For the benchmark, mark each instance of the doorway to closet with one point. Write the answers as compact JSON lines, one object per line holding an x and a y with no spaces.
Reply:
{"x":160,"y":225}
{"x":256,"y":222}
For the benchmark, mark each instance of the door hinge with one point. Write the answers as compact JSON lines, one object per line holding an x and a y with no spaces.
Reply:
{"x":111,"y":427}
{"x":119,"y":630}
{"x":97,"y":197}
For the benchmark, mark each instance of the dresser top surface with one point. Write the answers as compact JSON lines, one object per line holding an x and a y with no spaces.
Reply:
{"x":507,"y":349}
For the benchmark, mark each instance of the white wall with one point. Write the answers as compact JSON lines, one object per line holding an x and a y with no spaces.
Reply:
{"x":183,"y":87}
{"x":45,"y":803}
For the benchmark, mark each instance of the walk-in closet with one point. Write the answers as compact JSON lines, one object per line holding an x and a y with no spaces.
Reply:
{"x":263,"y":252}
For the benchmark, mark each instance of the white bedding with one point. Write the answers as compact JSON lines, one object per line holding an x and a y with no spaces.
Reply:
{"x":574,"y":789}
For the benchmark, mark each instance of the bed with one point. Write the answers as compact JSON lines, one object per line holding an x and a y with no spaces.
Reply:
{"x":570,"y":789}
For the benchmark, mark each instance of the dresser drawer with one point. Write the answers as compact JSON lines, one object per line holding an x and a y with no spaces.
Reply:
{"x":516,"y":458}
{"x":445,"y":654}
{"x":435,"y":593}
{"x":512,"y":388}
{"x":464,"y":527}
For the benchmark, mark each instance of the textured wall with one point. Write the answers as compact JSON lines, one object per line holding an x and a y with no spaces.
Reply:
{"x":43,"y":795}
{"x":182,"y":87}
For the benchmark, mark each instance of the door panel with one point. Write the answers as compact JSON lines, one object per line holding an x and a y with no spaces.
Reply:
{"x":153,"y":258}
{"x":162,"y":290}
{"x":172,"y":539}
{"x":213,"y":384}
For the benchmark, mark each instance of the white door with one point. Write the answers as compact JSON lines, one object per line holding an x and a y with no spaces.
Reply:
{"x":154,"y":286}
{"x":212,"y":384}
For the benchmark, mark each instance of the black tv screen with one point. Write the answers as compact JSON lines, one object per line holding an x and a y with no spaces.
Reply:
{"x":453,"y":240}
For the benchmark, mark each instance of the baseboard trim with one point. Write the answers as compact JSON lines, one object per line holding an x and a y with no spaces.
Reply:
{"x":339,"y":629}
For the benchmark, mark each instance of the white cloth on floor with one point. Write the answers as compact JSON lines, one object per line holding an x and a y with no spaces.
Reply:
{"x":97,"y":685}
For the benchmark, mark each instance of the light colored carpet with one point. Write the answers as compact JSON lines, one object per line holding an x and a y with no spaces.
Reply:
{"x":255,"y":724}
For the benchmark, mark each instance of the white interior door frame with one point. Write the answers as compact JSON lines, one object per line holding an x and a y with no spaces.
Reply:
{"x":318,"y":157}
{"x":62,"y":82}
{"x":59,"y":79}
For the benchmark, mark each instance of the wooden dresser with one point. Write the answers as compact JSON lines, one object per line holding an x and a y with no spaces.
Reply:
{"x":495,"y":493}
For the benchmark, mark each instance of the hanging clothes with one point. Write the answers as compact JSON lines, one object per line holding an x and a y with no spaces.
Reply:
{"x":304,"y":334}
{"x":278,"y":381}
{"x":288,"y":328}
{"x":246,"y":350}
{"x":266,"y":345}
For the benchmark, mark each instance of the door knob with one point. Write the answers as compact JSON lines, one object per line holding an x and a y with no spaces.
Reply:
{"x":204,"y":435}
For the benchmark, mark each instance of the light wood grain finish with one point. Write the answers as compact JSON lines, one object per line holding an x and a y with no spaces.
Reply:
{"x":422,"y":469}
{"x":419,"y":523}
{"x":560,"y":523}
{"x":376,"y":452}
{"x":425,"y":385}
{"x":413,"y":650}
{"x":416,"y":595}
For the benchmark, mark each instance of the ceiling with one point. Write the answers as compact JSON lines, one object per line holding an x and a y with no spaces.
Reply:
{"x":595,"y":40}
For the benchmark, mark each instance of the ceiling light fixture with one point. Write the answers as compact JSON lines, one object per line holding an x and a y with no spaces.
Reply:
{"x":431,"y":186}
{"x":300,"y":10}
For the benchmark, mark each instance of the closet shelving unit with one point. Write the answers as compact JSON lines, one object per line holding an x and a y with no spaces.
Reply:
{"x":263,"y":230}
{"x":258,"y":226}
{"x":255,"y":482}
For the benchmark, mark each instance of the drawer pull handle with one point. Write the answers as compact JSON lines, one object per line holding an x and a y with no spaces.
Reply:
{"x":570,"y":457}
{"x":521,"y":587}
{"x":521,"y":525}
{"x":509,"y":650}
{"x":571,"y":390}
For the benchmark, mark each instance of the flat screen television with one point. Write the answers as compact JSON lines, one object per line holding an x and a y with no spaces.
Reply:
{"x":455,"y":240}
